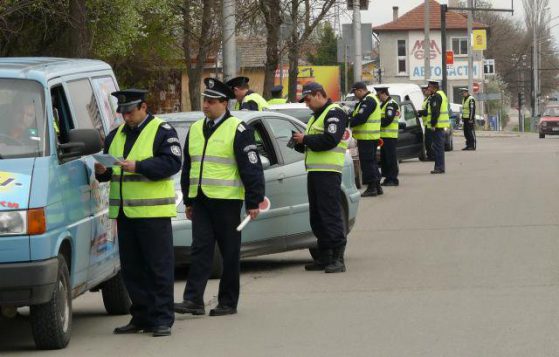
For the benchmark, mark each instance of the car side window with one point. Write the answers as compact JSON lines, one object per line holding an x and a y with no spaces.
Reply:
{"x":104,"y":86}
{"x":263,"y":142}
{"x":282,"y":131}
{"x":61,"y":113}
{"x":85,"y":106}
{"x":407,"y":114}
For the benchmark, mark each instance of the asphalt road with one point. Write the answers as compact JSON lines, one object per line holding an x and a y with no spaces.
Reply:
{"x":461,"y":264}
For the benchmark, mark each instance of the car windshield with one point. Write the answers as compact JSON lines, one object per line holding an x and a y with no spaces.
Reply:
{"x":551,"y":112}
{"x":303,"y":114}
{"x":22,"y":119}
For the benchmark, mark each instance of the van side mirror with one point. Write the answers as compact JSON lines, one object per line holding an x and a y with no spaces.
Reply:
{"x":265,"y":162}
{"x":81,"y":142}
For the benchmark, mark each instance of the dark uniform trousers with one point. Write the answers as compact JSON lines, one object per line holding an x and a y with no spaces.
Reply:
{"x":438,"y":148}
{"x":368,"y":160}
{"x":324,"y":190}
{"x":429,"y":143}
{"x":148,"y":266}
{"x":469,"y":133}
{"x":389,"y":159}
{"x":215,"y":220}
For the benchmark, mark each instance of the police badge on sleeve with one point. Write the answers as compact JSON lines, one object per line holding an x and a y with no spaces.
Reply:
{"x":252,"y":157}
{"x":332,"y":128}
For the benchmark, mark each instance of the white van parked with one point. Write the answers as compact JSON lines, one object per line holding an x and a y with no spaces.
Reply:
{"x":399,"y":92}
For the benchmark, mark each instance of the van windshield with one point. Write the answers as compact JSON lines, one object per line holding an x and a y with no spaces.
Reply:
{"x":22,"y":119}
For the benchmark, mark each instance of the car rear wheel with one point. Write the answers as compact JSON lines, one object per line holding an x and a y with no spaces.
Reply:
{"x":542,"y":136}
{"x":51,"y":322}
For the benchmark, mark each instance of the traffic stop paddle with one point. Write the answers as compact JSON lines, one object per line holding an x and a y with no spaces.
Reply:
{"x":263,"y":206}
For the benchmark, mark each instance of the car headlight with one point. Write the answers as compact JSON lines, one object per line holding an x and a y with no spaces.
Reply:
{"x":13,"y":222}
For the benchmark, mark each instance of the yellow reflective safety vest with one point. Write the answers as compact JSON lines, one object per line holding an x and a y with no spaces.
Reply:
{"x":254,"y":97}
{"x":370,"y":130}
{"x":277,"y":101}
{"x":213,"y":165}
{"x":444,"y":118}
{"x":329,"y":160}
{"x":426,"y":118}
{"x":391,"y":130}
{"x":466,"y":107}
{"x":140,"y":196}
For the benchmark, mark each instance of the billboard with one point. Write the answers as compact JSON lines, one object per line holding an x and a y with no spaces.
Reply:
{"x":456,"y":71}
{"x":328,"y":76}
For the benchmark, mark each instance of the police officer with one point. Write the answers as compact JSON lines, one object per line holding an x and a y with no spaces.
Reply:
{"x":221,"y":169}
{"x":365,"y":126}
{"x":246,"y":98}
{"x":324,"y":160}
{"x":142,"y":199}
{"x":438,"y":110}
{"x":424,"y":112}
{"x":277,"y":97}
{"x":389,"y":127}
{"x":469,"y":119}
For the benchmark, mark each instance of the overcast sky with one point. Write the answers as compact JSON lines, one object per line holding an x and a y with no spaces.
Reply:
{"x":380,"y":11}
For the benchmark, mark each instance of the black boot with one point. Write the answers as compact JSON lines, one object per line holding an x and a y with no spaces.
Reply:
{"x":371,"y":191}
{"x":337,"y":265}
{"x":324,"y":259}
{"x":379,"y":188}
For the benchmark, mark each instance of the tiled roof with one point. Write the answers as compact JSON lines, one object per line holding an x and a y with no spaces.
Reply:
{"x":413,"y":20}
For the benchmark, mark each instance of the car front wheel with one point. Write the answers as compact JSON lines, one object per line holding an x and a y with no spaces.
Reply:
{"x":542,"y":136}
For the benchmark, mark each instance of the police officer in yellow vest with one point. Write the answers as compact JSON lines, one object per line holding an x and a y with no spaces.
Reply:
{"x":440,"y":119}
{"x":142,"y":200}
{"x":365,"y":127}
{"x":221,"y":169}
{"x":469,"y":119}
{"x":277,"y":97}
{"x":324,"y":160}
{"x":389,"y":128}
{"x":246,"y":98}
{"x":424,"y":113}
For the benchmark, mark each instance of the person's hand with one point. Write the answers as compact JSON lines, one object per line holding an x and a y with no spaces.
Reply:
{"x":298,"y":137}
{"x":127,"y":166}
{"x":99,"y":169}
{"x":253,"y":213}
{"x":188,"y":212}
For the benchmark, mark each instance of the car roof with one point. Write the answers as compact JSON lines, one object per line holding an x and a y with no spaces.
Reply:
{"x":43,"y":69}
{"x":244,"y":115}
{"x":289,"y":106}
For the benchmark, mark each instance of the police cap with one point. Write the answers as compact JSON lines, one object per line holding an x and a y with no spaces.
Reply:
{"x":309,"y":88}
{"x":463,"y":89}
{"x":277,"y":89}
{"x":217,"y":89}
{"x":129,"y":99}
{"x":435,"y":83}
{"x":238,"y":82}
{"x":358,"y":85}
{"x":424,"y":86}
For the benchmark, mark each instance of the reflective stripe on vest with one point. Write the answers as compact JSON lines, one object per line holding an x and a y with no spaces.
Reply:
{"x":257,"y":98}
{"x":466,"y":107}
{"x":391,"y":130}
{"x":277,"y":101}
{"x":329,"y":160}
{"x":444,"y":119}
{"x":426,"y":118}
{"x":140,"y":196}
{"x":213,"y":165}
{"x":370,"y":130}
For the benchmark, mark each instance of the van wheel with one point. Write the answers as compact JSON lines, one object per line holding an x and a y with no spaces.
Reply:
{"x":51,"y":322}
{"x":542,"y":136}
{"x":217,"y":264}
{"x":115,"y":296}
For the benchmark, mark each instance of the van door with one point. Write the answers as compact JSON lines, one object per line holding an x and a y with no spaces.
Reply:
{"x":102,"y":252}
{"x":410,"y":139}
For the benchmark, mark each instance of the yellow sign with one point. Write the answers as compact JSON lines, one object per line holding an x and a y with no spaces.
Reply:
{"x":479,"y":42}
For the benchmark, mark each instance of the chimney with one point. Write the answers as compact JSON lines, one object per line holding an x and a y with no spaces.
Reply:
{"x":395,"y":13}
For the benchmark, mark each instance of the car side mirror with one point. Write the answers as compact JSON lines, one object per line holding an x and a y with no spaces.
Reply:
{"x":265,"y":162}
{"x":81,"y":142}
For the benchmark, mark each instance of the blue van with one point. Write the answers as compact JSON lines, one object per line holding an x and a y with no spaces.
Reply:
{"x":56,"y":239}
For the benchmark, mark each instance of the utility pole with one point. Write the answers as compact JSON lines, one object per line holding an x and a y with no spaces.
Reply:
{"x":426,"y":43}
{"x":357,"y":61}
{"x":535,"y":59}
{"x":470,"y":51}
{"x":444,"y":9}
{"x":229,"y":41}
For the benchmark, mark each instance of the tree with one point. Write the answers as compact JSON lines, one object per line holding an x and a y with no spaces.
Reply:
{"x":271,"y":11}
{"x":327,"y":48}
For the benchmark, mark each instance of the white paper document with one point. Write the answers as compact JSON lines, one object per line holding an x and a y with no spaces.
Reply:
{"x":106,"y":160}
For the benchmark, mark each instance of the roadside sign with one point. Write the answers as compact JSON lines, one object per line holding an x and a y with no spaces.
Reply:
{"x":449,"y":57}
{"x":479,"y":40}
{"x":475,"y":87}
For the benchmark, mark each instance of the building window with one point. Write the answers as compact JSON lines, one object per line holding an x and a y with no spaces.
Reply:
{"x":460,"y":46}
{"x":402,"y":57}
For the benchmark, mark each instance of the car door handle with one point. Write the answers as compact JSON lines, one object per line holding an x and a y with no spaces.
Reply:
{"x":281,"y":177}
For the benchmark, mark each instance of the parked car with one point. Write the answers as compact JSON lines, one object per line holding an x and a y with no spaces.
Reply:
{"x":398,"y":91}
{"x":56,"y":239}
{"x":286,"y":225}
{"x":549,"y":122}
{"x":298,"y":111}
